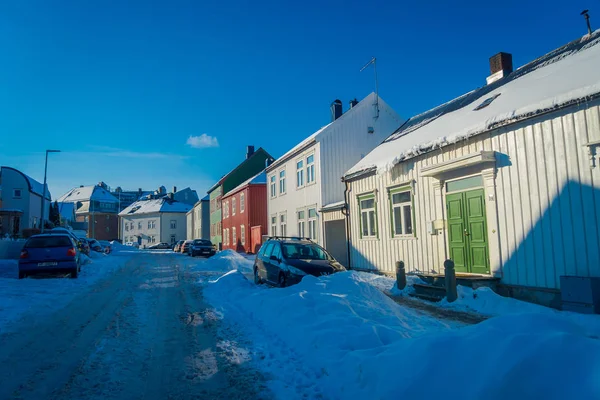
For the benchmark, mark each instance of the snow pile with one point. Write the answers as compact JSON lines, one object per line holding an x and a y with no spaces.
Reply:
{"x":95,"y":254}
{"x":341,"y":337}
{"x":228,"y":260}
{"x":39,"y":297}
{"x":116,"y":247}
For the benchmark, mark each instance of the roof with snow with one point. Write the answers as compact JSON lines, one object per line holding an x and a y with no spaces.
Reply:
{"x":162,"y":205}
{"x":87,"y":193}
{"x":34,"y":186}
{"x":565,"y":76}
{"x":313,"y":138}
{"x":260,"y":178}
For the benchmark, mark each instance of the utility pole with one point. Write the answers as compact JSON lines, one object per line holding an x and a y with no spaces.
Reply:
{"x":44,"y":191}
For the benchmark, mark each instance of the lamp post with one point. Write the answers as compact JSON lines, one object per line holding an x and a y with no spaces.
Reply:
{"x":44,"y":189}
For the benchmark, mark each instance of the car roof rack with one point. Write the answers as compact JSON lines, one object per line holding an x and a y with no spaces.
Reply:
{"x":289,"y":238}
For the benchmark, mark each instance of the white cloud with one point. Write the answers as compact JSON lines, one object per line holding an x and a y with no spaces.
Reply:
{"x":202,"y":141}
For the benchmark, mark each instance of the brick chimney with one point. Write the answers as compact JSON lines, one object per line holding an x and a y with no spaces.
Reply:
{"x":500,"y":66}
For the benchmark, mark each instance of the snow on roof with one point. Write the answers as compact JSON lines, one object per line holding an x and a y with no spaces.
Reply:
{"x":259,"y":178}
{"x":34,"y":186}
{"x":566,"y":75}
{"x":333,"y":206}
{"x":163,"y":205}
{"x":88,"y":193}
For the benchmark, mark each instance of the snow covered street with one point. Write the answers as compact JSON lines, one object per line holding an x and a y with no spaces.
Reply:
{"x":159,"y":325}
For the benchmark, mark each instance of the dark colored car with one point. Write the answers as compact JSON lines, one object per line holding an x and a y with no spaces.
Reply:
{"x":95,"y":245}
{"x":201,"y":247}
{"x":49,"y":253}
{"x":82,"y":244}
{"x":177,"y":247}
{"x":285,"y":261}
{"x":160,"y":246}
{"x":185,"y":247}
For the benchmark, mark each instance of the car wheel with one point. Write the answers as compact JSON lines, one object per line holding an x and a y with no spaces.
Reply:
{"x":257,"y":279}
{"x":74,"y":273}
{"x":281,"y":281}
{"x":22,"y":275}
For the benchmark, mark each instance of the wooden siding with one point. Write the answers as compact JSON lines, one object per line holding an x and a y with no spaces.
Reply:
{"x":543,"y":213}
{"x":255,"y":214}
{"x":333,"y":215}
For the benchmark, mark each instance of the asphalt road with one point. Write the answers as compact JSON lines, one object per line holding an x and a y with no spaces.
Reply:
{"x":143,"y":333}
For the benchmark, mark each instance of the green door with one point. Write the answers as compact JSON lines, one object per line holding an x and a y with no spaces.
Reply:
{"x":467,"y":231}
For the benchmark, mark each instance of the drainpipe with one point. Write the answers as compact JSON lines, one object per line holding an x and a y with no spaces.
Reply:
{"x":348,"y":226}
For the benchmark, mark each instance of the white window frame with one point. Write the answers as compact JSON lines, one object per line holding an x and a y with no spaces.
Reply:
{"x":273,"y":186}
{"x":225,"y":236}
{"x":173,"y":224}
{"x":301,"y":222}
{"x":126,"y":226}
{"x":234,"y":236}
{"x":402,"y":207}
{"x":139,"y":226}
{"x":282,"y":182}
{"x":300,"y":173}
{"x":226,"y":209}
{"x":274,"y":225}
{"x":310,"y":167}
{"x":313,"y":231}
{"x":243,"y":234}
{"x":367,"y":212}
{"x":283,"y":224}
{"x":233,"y":205}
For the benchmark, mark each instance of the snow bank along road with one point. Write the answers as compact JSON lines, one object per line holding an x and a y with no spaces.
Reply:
{"x":144,"y":332}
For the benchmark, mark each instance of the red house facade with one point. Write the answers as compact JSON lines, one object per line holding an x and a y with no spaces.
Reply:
{"x":244,"y":209}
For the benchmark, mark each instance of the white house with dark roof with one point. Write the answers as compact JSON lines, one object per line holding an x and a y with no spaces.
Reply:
{"x":503,"y":180}
{"x":152,"y":221}
{"x":20,"y":201}
{"x":304,"y":189}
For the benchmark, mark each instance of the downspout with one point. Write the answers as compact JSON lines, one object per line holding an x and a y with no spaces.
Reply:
{"x":346,"y":212}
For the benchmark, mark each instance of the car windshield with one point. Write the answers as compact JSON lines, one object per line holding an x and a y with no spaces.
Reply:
{"x":304,"y":251}
{"x":48,"y":241}
{"x":203,"y":242}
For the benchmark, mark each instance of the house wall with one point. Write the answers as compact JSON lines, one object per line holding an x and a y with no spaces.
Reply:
{"x":205,"y":219}
{"x":216,"y":216}
{"x":172,"y":235}
{"x":542,"y":203}
{"x":190,"y":225}
{"x":101,"y":226}
{"x":347,"y":141}
{"x":144,"y":232}
{"x":236,"y":221}
{"x":295,"y":199}
{"x":30,"y":203}
{"x":257,"y":207}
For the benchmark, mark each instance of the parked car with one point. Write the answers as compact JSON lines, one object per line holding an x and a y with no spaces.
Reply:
{"x":201,"y":247}
{"x":133,"y":244}
{"x":82,"y":244}
{"x":49,"y":253}
{"x":285,"y":261}
{"x":177,"y":247}
{"x":161,"y":246}
{"x":95,"y":245}
{"x":185,"y":246}
{"x":106,"y":245}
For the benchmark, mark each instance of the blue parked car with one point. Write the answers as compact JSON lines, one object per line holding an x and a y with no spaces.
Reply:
{"x":49,"y":253}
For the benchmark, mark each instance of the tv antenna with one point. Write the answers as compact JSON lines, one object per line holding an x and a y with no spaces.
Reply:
{"x":376,"y":104}
{"x":586,"y":15}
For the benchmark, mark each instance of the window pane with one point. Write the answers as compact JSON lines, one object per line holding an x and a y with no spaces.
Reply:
{"x":299,"y":164}
{"x":368,"y":203}
{"x":407,"y":219}
{"x":300,"y":214}
{"x":310,"y":159}
{"x":466,"y":183}
{"x":397,"y":221}
{"x":372,"y":226}
{"x":403,"y":197}
{"x":365,"y":224}
{"x":312,"y":213}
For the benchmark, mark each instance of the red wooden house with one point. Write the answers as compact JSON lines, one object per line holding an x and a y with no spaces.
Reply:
{"x":245,"y":215}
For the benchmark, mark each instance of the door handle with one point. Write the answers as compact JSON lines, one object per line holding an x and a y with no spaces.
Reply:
{"x":466,"y":233}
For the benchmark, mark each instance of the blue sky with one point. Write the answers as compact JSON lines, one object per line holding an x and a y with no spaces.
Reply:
{"x":120,"y":87}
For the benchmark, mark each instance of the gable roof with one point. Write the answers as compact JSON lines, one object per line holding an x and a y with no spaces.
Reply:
{"x":34,"y":186}
{"x":565,"y":76}
{"x":240,"y":165}
{"x":260,"y":178}
{"x":161,"y":205}
{"x":87,"y":193}
{"x":368,"y":100}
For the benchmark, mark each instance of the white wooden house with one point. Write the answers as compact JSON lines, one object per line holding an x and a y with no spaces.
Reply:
{"x":303,"y":186}
{"x":504,"y":180}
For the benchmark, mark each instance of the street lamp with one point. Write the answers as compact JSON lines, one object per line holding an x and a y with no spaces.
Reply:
{"x":44,"y":189}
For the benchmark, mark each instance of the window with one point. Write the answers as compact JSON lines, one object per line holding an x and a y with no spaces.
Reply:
{"x":401,"y":204}
{"x":276,"y":251}
{"x":273,"y":186}
{"x":368,"y":216}
{"x":310,"y":169}
{"x":233,"y":204}
{"x":17,"y":193}
{"x":152,"y":239}
{"x":151,"y":224}
{"x":226,"y":209}
{"x":173,"y":224}
{"x":234,"y":236}
{"x":312,"y":223}
{"x":301,"y":224}
{"x":268,"y":249}
{"x":243,"y":234}
{"x":486,"y":102}
{"x":225,"y":236}
{"x":139,"y":226}
{"x":242,"y":202}
{"x":282,"y":182}
{"x":282,"y":224}
{"x":274,"y":225}
{"x":126,"y":227}
{"x":300,"y":173}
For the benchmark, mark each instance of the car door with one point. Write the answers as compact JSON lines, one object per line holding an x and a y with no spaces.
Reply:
{"x":273,"y":267}
{"x":262,"y":260}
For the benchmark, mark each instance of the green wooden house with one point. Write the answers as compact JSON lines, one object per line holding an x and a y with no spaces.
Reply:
{"x":254,"y":163}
